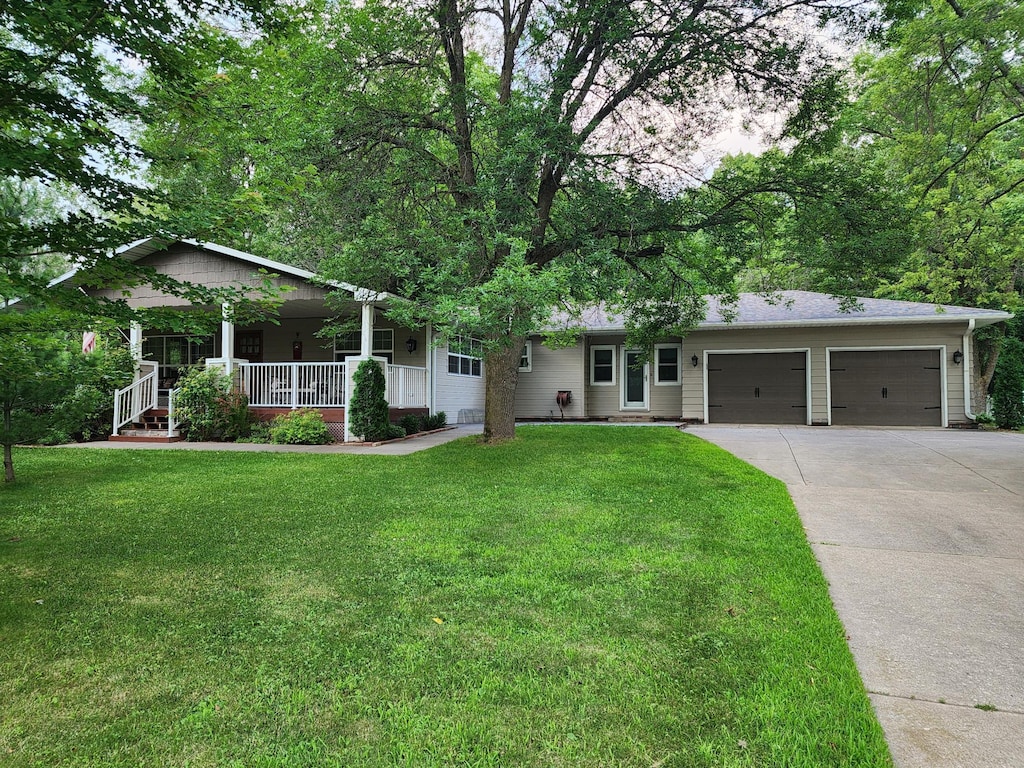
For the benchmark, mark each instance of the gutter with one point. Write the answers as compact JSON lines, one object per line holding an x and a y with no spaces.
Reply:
{"x":967,"y":370}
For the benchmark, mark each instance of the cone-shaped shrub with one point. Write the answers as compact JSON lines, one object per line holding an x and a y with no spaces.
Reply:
{"x":369,"y":407}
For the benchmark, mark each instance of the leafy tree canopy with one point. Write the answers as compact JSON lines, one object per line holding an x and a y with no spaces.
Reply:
{"x":69,"y":109}
{"x":493,"y":161}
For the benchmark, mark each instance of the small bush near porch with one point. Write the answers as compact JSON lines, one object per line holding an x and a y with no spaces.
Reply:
{"x":582,"y":596}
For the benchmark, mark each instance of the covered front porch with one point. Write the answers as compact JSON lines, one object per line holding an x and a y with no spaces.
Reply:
{"x":318,"y":376}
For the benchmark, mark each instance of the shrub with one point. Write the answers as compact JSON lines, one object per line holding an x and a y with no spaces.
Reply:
{"x":435,"y":421}
{"x":302,"y":427}
{"x":1008,"y":386}
{"x":369,"y":414}
{"x":411,"y":423}
{"x":208,"y":409}
{"x":85,"y":411}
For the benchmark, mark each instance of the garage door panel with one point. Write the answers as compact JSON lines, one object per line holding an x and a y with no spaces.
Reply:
{"x":757,"y":388}
{"x":886,"y":387}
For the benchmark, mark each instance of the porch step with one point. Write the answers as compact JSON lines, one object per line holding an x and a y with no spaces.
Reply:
{"x":631,"y":419}
{"x":145,"y":436}
{"x":150,"y":428}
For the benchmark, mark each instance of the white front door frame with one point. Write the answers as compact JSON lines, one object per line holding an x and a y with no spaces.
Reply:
{"x":634,"y":405}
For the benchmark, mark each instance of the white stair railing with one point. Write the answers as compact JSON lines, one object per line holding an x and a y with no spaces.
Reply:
{"x":137,"y":398}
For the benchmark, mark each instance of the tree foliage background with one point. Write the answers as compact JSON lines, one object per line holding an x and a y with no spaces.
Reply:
{"x":494,"y":161}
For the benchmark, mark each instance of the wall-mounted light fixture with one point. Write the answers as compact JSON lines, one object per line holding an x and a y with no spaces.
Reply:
{"x":958,"y":357}
{"x":410,"y":345}
{"x":694,"y":360}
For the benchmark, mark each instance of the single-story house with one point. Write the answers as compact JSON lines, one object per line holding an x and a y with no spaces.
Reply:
{"x":792,"y":358}
{"x":285,"y":365}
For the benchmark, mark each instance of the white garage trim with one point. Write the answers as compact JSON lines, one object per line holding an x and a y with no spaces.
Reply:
{"x":942,"y":372}
{"x":807,"y":367}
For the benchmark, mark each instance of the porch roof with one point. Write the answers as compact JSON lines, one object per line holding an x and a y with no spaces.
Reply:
{"x":148,"y":246}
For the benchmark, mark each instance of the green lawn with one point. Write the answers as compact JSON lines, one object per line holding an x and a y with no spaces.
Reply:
{"x":583,"y":596}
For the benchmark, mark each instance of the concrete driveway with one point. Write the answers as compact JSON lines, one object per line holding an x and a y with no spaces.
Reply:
{"x":920,"y":533}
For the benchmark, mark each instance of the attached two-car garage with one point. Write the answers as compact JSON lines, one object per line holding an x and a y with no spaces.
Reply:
{"x":878,"y":387}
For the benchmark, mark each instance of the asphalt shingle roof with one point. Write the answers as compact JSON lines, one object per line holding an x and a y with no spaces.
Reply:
{"x":795,"y":308}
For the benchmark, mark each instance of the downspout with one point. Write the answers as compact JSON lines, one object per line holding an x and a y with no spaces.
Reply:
{"x":967,"y":371}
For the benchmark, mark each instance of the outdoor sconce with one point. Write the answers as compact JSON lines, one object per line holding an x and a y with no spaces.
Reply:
{"x":410,"y":345}
{"x":958,"y":357}
{"x":694,"y":360}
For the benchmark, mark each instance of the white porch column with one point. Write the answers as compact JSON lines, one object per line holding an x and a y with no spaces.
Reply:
{"x":227,"y":338}
{"x":367,"y":309}
{"x":135,"y":340}
{"x":366,"y":330}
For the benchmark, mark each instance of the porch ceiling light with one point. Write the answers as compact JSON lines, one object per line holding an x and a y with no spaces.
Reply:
{"x":411,"y":345}
{"x":694,"y":360}
{"x":958,"y":357}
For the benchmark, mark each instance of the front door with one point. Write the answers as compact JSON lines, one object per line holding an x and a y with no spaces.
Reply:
{"x":634,"y":380}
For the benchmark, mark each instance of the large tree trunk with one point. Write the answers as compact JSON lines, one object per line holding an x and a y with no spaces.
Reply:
{"x":502,"y":371}
{"x":983,"y":361}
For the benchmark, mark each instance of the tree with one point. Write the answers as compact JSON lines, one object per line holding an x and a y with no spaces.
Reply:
{"x":1008,"y":389}
{"x":943,"y":108}
{"x":69,"y":177}
{"x":493,"y":161}
{"x":69,"y":109}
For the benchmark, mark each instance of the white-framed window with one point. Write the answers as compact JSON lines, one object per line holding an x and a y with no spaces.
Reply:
{"x":348,"y":344}
{"x":602,"y":365}
{"x":465,"y":356}
{"x":526,"y":358}
{"x":177,"y":353}
{"x":667,"y":362}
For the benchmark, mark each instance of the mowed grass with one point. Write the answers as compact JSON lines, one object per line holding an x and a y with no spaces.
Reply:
{"x":582,"y":596}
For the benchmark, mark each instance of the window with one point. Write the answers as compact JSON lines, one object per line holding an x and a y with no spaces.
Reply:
{"x":465,"y":356}
{"x":175,"y":354}
{"x":602,"y":365}
{"x":526,"y":359}
{"x":348,"y":344}
{"x":666,"y":358}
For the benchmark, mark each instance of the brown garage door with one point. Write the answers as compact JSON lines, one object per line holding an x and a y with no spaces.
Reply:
{"x":757,"y":388}
{"x":889,"y":388}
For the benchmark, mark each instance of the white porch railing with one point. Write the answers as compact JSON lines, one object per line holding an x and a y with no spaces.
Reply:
{"x":323,"y":385}
{"x":406,"y":386}
{"x":137,"y":398}
{"x":293,"y":385}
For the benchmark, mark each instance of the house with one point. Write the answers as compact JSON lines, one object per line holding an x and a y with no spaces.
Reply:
{"x":791,"y":358}
{"x":285,"y":365}
{"x":795,"y":357}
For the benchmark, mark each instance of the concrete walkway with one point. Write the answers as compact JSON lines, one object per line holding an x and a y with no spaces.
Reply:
{"x":396,"y":448}
{"x":920,"y":533}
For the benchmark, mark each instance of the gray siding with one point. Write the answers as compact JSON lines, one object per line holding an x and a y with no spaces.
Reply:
{"x":192,"y":264}
{"x":570,"y":368}
{"x":277,"y":341}
{"x":552,"y":370}
{"x":452,"y":393}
